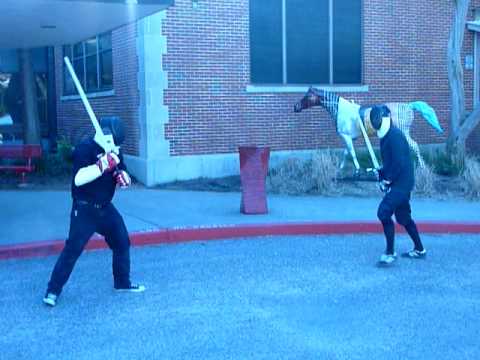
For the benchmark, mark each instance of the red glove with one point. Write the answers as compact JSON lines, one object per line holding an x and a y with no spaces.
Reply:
{"x":122,"y":178}
{"x":108,"y":162}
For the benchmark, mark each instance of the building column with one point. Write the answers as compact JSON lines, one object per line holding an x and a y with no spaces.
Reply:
{"x":153,"y":114}
{"x":32,"y":123}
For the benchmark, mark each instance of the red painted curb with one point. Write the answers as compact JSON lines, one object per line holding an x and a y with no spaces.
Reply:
{"x":176,"y":235}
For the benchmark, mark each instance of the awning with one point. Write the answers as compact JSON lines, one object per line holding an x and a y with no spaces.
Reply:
{"x":473,"y":25}
{"x":33,"y":23}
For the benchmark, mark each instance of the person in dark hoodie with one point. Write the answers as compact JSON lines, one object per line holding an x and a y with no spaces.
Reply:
{"x":95,"y":177}
{"x":396,"y":180}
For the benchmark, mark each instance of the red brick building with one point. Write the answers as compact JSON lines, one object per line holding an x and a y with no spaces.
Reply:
{"x":197,"y":80}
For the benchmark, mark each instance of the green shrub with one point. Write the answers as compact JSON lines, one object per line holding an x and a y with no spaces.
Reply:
{"x":65,"y":149}
{"x":58,"y":163}
{"x":364,"y":159}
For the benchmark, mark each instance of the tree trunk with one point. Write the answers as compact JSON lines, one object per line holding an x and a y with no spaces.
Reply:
{"x":31,"y":122}
{"x":455,"y":70}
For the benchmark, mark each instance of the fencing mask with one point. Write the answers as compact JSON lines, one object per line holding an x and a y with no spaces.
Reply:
{"x":113,"y":125}
{"x":380,"y":119}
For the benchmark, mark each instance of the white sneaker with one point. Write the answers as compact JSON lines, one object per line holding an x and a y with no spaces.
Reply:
{"x":387,"y":259}
{"x":131,"y":288}
{"x":50,"y":299}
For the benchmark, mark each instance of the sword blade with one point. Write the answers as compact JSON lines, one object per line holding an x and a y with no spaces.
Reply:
{"x":105,"y":141}
{"x":376,"y":165}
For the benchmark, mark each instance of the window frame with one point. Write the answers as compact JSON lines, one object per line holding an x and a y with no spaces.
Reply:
{"x":284,"y":81}
{"x":68,"y":50}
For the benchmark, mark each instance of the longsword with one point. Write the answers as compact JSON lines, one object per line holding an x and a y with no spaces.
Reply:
{"x":376,"y":165}
{"x":104,"y":140}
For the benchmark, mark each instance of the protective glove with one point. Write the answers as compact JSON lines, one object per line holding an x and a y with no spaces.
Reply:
{"x":108,"y":162}
{"x":375,"y":172}
{"x":122,"y":178}
{"x":384,"y":185}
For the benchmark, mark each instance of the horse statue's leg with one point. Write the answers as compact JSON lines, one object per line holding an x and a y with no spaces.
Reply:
{"x":351,"y":150}
{"x":344,"y":158}
{"x":414,"y":146}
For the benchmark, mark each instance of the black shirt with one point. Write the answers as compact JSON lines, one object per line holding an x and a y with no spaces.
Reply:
{"x":102,"y":189}
{"x":397,"y":163}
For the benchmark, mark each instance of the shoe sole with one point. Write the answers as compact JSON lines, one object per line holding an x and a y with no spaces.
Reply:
{"x":422,"y":257}
{"x":140,"y":290}
{"x":49,"y":302}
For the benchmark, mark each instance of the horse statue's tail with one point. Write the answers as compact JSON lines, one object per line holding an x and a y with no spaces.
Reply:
{"x":428,"y":113}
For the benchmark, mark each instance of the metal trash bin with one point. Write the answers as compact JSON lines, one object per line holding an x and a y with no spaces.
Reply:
{"x":253,"y":175}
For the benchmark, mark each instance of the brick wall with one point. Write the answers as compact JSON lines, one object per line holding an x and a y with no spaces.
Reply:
{"x":73,"y":120}
{"x":207,"y":61}
{"x":404,"y":44}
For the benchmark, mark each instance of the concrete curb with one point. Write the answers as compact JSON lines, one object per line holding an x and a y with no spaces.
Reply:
{"x":184,"y":234}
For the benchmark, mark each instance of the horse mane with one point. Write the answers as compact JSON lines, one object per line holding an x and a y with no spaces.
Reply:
{"x":329,"y":100}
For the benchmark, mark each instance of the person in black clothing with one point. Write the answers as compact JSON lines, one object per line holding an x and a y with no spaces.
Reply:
{"x":397,"y":180}
{"x":95,"y":177}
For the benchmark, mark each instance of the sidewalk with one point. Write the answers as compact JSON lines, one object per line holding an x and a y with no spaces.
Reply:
{"x":36,"y":222}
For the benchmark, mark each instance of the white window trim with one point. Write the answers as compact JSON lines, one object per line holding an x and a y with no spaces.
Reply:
{"x":89,"y":95}
{"x":304,"y":88}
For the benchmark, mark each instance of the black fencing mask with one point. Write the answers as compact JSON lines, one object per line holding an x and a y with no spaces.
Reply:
{"x":113,"y":125}
{"x":377,"y":114}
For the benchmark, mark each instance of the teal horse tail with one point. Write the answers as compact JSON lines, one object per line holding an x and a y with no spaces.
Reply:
{"x":428,"y":113}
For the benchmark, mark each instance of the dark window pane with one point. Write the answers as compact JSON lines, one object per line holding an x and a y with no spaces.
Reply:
{"x":78,"y":67}
{"x":92,"y":74}
{"x":78,"y":50}
{"x":106,"y":69}
{"x":347,"y":37}
{"x":307,"y":42}
{"x":67,"y":51}
{"x":91,"y":46}
{"x":105,"y":41}
{"x":266,"y":41}
{"x":68,"y":86}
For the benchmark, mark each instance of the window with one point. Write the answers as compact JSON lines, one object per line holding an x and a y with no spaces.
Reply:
{"x":92,"y":61}
{"x":305,"y":42}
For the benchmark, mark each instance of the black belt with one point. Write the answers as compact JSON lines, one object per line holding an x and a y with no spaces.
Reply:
{"x":95,"y":205}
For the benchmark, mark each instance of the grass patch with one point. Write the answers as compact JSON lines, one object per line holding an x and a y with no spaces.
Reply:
{"x":471,"y":178}
{"x":295,"y":177}
{"x":424,"y":181}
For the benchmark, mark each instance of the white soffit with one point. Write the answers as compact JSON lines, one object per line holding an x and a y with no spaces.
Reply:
{"x":34,"y":23}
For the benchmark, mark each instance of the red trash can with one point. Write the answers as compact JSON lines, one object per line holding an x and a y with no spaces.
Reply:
{"x":253,"y":175}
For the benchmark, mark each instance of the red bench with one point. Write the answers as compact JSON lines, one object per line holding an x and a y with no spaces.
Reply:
{"x":20,"y":152}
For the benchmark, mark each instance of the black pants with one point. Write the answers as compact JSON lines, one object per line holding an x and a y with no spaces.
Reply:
{"x":398,"y":203}
{"x":85,"y":220}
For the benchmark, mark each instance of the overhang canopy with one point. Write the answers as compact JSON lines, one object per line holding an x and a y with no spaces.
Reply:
{"x":34,"y":23}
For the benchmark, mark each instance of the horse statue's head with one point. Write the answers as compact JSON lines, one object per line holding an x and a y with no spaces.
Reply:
{"x":313,"y":97}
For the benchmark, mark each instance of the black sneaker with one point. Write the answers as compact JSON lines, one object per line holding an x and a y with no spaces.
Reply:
{"x":415,"y":254}
{"x":136,"y":288}
{"x":50,"y":299}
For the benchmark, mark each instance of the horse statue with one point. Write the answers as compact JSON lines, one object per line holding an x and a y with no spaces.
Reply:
{"x":348,"y":115}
